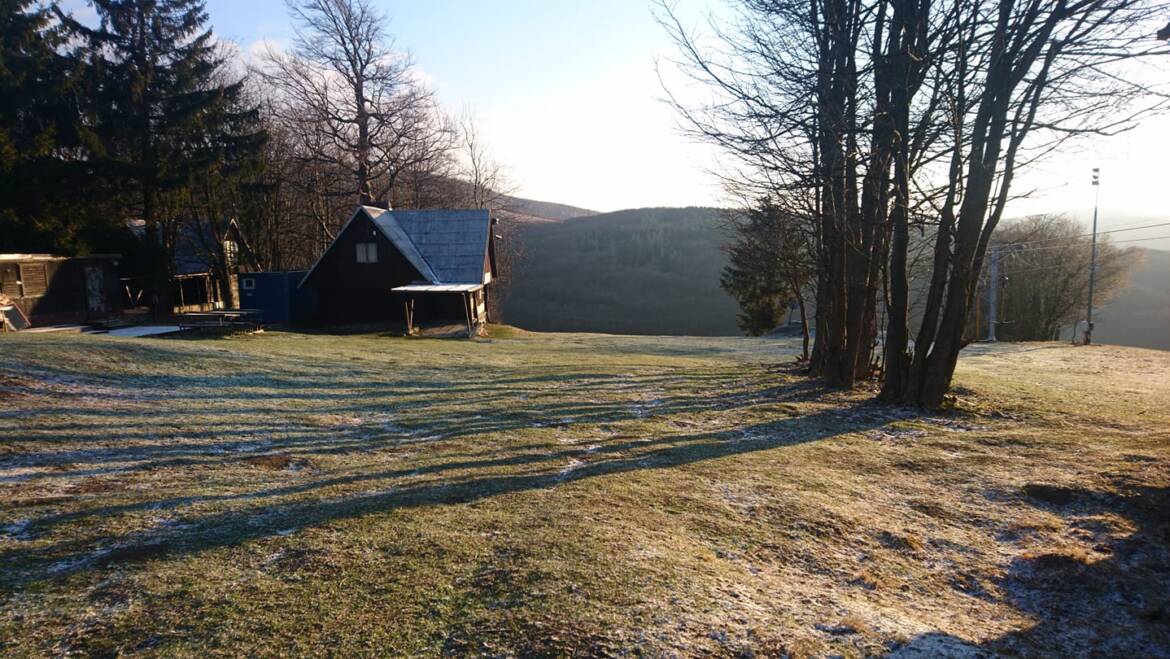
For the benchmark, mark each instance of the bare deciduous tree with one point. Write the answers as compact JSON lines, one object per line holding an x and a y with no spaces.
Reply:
{"x":921,"y":112}
{"x":346,"y":88}
{"x":1044,"y":275}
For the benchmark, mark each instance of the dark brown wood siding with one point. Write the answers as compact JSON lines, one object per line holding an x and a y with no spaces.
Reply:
{"x":341,"y":290}
{"x":51,"y":291}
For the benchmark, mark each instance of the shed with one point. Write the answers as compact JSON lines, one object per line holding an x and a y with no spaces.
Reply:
{"x":410,"y":267}
{"x":206,"y":258}
{"x":274,"y":294}
{"x":51,"y":289}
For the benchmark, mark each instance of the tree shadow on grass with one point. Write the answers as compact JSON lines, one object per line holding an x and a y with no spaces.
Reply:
{"x":265,"y":513}
{"x":1113,"y":601}
{"x":197,"y":419}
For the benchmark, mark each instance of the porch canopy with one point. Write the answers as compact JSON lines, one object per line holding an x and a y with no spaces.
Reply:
{"x":464,"y":290}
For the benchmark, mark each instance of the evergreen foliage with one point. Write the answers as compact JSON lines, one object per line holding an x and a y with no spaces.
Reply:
{"x":768,"y":268}
{"x":40,"y":87}
{"x":164,"y":114}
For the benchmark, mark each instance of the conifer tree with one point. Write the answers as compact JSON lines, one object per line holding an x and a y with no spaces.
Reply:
{"x":770,"y":267}
{"x":164,"y":114}
{"x":38,"y":114}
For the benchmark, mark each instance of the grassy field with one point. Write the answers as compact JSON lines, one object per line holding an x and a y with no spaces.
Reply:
{"x":534,"y":495}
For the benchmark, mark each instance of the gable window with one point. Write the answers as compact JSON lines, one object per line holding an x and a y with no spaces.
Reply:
{"x":367,"y":252}
{"x":230,"y":254}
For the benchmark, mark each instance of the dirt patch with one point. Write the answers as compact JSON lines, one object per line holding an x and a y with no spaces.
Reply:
{"x":45,"y":500}
{"x":869,"y":579}
{"x":329,"y":420}
{"x":12,"y":388}
{"x":7,"y":450}
{"x":133,"y":553}
{"x":1053,"y":494}
{"x":13,"y":381}
{"x":278,"y":462}
{"x":900,"y":542}
{"x":933,"y":509}
{"x":297,"y":561}
{"x":97,"y":485}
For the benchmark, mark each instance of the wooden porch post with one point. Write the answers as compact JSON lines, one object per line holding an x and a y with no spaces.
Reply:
{"x":408,"y":305}
{"x":467,"y":313}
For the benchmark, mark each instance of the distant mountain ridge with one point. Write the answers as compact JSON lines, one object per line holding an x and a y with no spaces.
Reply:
{"x":534,"y":210}
{"x":656,"y":271}
{"x":637,"y":271}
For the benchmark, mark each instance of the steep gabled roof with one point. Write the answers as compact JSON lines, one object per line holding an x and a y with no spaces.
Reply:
{"x":389,"y":226}
{"x":444,"y":246}
{"x":453,"y":242}
{"x":195,"y":245}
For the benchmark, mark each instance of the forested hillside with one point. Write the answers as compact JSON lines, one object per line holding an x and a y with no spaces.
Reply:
{"x":1140,"y":315}
{"x":656,"y":271}
{"x":642,"y":271}
{"x":542,"y":210}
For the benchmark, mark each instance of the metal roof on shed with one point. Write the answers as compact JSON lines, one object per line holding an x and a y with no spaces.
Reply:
{"x":394,"y":232}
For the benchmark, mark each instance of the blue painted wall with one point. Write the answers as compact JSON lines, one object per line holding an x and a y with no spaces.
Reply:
{"x":274,"y":293}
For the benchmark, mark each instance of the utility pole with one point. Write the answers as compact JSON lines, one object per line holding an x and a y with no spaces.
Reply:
{"x":1093,"y":256}
{"x":993,"y":293}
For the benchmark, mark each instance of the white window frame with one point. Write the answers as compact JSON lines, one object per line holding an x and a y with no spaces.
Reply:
{"x":367,"y":252}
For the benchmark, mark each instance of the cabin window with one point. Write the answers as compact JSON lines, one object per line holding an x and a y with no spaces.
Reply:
{"x":230,"y":254}
{"x":247,"y":283}
{"x":367,"y":252}
{"x":33,"y":279}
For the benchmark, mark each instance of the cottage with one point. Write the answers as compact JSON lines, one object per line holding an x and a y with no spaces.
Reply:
{"x":206,"y":258}
{"x":412,"y":266}
{"x":50,"y":290}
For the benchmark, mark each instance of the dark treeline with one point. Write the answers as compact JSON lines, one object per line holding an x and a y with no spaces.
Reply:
{"x":870,"y":125}
{"x":143,"y":118}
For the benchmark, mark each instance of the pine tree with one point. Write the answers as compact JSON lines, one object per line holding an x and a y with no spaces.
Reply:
{"x":165,"y":114}
{"x":769,"y":268}
{"x":38,"y":142}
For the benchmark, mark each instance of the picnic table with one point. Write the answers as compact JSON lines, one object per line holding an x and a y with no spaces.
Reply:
{"x":223,"y":319}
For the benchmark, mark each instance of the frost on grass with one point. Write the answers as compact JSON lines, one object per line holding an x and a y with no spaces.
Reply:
{"x":569,"y":495}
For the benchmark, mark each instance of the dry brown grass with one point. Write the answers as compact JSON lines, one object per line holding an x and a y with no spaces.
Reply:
{"x":278,"y":462}
{"x":575,"y":495}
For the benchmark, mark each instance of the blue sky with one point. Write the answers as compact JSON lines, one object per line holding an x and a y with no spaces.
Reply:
{"x":566,"y":93}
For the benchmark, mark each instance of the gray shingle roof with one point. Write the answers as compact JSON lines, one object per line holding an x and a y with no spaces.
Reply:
{"x":453,"y":243}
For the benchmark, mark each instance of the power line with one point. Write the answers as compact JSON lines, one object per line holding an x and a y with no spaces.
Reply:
{"x":1087,"y":235}
{"x":1138,"y":240}
{"x":1009,"y":272}
{"x":1010,"y":247}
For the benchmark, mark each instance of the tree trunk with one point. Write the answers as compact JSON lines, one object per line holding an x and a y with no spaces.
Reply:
{"x":803,"y":322}
{"x":365,"y":190}
{"x":908,"y":20}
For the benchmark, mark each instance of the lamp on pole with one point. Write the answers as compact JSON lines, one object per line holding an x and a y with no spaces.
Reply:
{"x":1093,"y":256}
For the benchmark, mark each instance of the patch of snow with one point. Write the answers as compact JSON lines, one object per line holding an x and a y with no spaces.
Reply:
{"x":17,"y":530}
{"x":568,"y":469}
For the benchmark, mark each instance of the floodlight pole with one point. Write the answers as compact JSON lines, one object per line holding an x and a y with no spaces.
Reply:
{"x":1093,"y":256}
{"x":993,"y":294}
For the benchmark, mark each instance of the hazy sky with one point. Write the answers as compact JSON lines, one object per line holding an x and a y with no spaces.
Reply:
{"x":564,"y":90}
{"x":566,"y":93}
